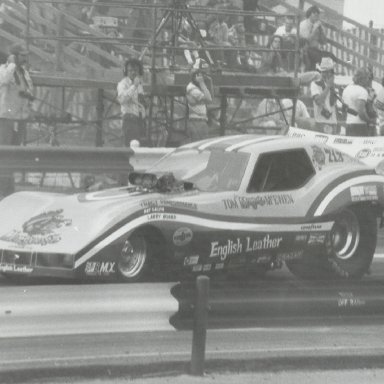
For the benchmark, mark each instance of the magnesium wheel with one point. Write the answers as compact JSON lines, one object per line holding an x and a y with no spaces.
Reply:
{"x":351,"y":248}
{"x":134,"y":258}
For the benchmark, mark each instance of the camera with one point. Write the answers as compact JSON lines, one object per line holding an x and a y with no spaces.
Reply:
{"x":325,"y":113}
{"x":26,"y":95}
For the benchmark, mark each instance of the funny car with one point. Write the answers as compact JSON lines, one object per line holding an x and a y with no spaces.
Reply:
{"x":224,"y":204}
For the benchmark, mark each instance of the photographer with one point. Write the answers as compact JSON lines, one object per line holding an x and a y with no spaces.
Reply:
{"x":198,"y":96}
{"x":356,"y":97}
{"x":324,"y":98}
{"x":130,"y":95}
{"x":16,"y":96}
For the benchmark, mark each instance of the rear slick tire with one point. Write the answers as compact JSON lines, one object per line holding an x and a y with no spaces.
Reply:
{"x":351,"y":248}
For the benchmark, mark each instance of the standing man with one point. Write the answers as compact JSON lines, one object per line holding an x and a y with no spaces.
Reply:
{"x":16,"y":96}
{"x":324,"y":98}
{"x":130,"y":95}
{"x":355,"y":97}
{"x":288,"y":32}
{"x":313,"y":38}
{"x":198,"y":96}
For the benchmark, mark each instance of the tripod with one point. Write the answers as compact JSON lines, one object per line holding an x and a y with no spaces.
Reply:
{"x":179,"y":11}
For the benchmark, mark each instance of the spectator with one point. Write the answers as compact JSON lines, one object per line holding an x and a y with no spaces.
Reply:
{"x":355,"y":97}
{"x":313,"y":38}
{"x":275,"y":113}
{"x":251,"y":23}
{"x":288,"y":29}
{"x":130,"y":96}
{"x":272,"y":61}
{"x":372,"y":94}
{"x":379,"y":105}
{"x":186,"y":40}
{"x":16,"y":96}
{"x":324,"y":98}
{"x":218,"y":35}
{"x":288,"y":32}
{"x":198,"y":96}
{"x":236,"y":36}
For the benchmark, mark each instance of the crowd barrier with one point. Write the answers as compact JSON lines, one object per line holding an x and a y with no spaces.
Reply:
{"x":78,"y":160}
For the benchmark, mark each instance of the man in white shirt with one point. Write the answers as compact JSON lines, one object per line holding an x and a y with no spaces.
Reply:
{"x":130,"y":96}
{"x":313,"y":38}
{"x":324,"y":98}
{"x":16,"y":96}
{"x":288,"y":28}
{"x":379,"y":105}
{"x":355,"y":96}
{"x":288,"y":32}
{"x":198,"y":96}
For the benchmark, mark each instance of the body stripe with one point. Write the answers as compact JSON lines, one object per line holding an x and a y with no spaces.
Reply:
{"x":329,"y":187}
{"x":245,"y":143}
{"x":342,"y":187}
{"x":211,"y":224}
{"x":218,"y":140}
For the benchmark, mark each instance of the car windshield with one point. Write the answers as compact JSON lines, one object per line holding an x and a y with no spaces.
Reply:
{"x":208,"y":170}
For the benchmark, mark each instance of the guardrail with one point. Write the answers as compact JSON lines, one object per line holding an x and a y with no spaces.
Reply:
{"x":61,"y":159}
{"x":79,"y":160}
{"x":115,"y":308}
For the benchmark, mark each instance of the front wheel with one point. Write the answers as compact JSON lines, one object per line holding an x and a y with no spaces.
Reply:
{"x":134,"y":258}
{"x":351,"y":248}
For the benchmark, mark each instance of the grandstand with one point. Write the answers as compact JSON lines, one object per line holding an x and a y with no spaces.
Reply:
{"x":77,"y":49}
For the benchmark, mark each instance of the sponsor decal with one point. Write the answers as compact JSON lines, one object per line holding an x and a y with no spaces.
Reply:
{"x":191,"y":260}
{"x":15,"y":268}
{"x":168,"y":203}
{"x":207,"y":267}
{"x":318,"y":157}
{"x":348,"y":299}
{"x":363,"y":153}
{"x":334,"y":156}
{"x":264,"y":259}
{"x":314,"y":227}
{"x":197,"y":268}
{"x":153,"y":210}
{"x":302,"y":238}
{"x":296,"y":134}
{"x":368,"y":141}
{"x":40,"y":229}
{"x":340,"y":140}
{"x":243,"y":202}
{"x":321,"y":138}
{"x":182,"y":236}
{"x":364,"y":193}
{"x":231,"y":247}
{"x":161,"y":216}
{"x":219,"y":266}
{"x":316,"y":238}
{"x":294,"y":255}
{"x":98,"y":268}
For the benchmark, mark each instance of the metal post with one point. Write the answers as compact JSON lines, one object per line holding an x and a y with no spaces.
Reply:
{"x":223,"y":114}
{"x":200,"y":326}
{"x":100,"y":117}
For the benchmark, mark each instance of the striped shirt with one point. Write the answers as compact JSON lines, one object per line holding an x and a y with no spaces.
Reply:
{"x":196,"y":102}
